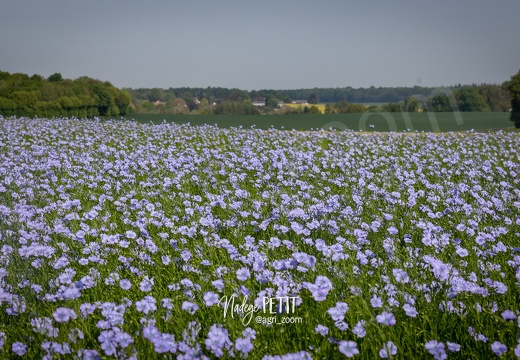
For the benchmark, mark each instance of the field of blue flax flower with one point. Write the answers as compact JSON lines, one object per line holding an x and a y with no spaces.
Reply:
{"x":139,"y":241}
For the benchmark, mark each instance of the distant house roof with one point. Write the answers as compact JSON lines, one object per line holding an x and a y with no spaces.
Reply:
{"x":301,"y":102}
{"x":259,"y":101}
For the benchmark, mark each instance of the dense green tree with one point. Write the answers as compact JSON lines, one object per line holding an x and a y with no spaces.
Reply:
{"x":440,"y":103}
{"x":514,"y":90}
{"x":312,"y":99}
{"x":341,"y":107}
{"x":154,"y":95}
{"x":393,"y":107}
{"x":49,"y":108}
{"x":7,"y":107}
{"x":37,"y":78}
{"x":104,"y":99}
{"x":497,"y":97}
{"x":168,"y":96}
{"x":468,"y":99}
{"x":294,"y":111}
{"x":236,"y":108}
{"x":55,"y":77}
{"x":4,"y":75}
{"x":122,"y":101}
{"x":191,"y":100}
{"x":26,"y":98}
{"x":356,"y":108}
{"x":203,"y":107}
{"x":179,"y":106}
{"x":313,"y":109}
{"x":329,"y":109}
{"x":22,"y":95}
{"x":412,"y":104}
{"x":271,"y":102}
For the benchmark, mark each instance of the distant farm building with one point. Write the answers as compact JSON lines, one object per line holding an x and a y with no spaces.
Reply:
{"x":259,"y":101}
{"x":300,"y":102}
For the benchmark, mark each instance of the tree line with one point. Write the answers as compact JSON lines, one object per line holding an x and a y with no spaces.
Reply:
{"x":24,"y":95}
{"x":323,"y":95}
{"x":514,"y":89}
{"x":476,"y":97}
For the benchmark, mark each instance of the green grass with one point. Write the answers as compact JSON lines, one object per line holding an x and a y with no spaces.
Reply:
{"x":366,"y":122}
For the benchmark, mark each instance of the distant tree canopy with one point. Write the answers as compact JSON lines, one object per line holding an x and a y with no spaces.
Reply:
{"x":440,"y":103}
{"x":468,"y":99}
{"x":55,"y":77}
{"x":483,"y":97}
{"x":343,"y":106}
{"x":236,"y":107}
{"x":514,"y":90}
{"x":22,"y":95}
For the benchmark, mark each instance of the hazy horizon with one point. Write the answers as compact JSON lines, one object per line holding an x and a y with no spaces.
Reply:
{"x":268,"y":45}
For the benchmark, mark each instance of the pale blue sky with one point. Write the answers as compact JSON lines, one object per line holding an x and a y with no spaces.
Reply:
{"x":282,"y":44}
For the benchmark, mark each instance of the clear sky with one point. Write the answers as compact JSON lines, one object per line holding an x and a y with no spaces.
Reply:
{"x":270,"y":44}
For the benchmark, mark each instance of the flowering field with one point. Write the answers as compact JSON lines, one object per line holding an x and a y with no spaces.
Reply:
{"x":124,"y":240}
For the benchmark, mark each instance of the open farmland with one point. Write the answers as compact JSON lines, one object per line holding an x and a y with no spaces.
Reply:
{"x":127,"y":240}
{"x":381,"y":122}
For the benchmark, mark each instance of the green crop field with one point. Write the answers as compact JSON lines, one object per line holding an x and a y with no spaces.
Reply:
{"x":382,"y":122}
